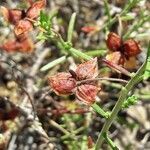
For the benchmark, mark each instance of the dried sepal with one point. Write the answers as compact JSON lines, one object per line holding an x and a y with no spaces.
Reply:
{"x":86,"y":93}
{"x":22,"y":27}
{"x":131,"y":48}
{"x":116,"y":58}
{"x":62,"y":83}
{"x":26,"y":46}
{"x":87,"y":70}
{"x":34,"y":11}
{"x":113,"y":41}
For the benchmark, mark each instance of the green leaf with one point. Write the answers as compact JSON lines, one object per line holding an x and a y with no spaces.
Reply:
{"x":53,"y":63}
{"x":127,"y":17}
{"x":45,"y":21}
{"x":130,"y":101}
{"x":71,"y":27}
{"x":147,"y":69}
{"x":107,"y":9}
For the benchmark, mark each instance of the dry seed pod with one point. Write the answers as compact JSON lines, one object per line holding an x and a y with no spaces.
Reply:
{"x":15,"y":15}
{"x":62,"y":83}
{"x":113,"y":41}
{"x":131,"y":48}
{"x":34,"y":11}
{"x":22,"y":27}
{"x":11,"y":46}
{"x":86,"y":93}
{"x":87,"y":70}
{"x":25,"y":46}
{"x":12,"y":15}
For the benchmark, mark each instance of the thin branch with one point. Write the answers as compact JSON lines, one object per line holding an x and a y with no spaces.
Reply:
{"x":101,"y":79}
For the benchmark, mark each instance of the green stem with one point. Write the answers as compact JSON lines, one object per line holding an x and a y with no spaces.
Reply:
{"x":96,"y":53}
{"x":67,"y":47}
{"x":56,"y":125}
{"x":110,"y":142}
{"x":123,"y":95}
{"x":100,"y":110}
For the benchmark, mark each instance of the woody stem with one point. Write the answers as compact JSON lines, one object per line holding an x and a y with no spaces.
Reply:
{"x":123,"y":95}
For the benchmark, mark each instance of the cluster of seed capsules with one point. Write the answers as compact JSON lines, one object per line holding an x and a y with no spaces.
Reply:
{"x":120,"y":51}
{"x":23,"y":24}
{"x":70,"y":83}
{"x":67,"y":83}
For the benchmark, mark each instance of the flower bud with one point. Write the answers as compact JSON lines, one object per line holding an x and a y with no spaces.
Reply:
{"x":87,"y":70}
{"x":131,"y":48}
{"x":34,"y":11}
{"x":86,"y":93}
{"x":62,"y":83}
{"x":113,"y":41}
{"x":23,"y":26}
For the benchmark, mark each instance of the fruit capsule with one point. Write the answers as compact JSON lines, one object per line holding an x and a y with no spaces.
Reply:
{"x":113,"y":41}
{"x":131,"y":48}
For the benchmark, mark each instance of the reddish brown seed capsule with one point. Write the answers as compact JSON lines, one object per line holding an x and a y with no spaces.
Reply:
{"x":15,"y":15}
{"x":113,"y":41}
{"x":131,"y":48}
{"x":62,"y":83}
{"x":12,"y":15}
{"x":87,"y":70}
{"x":34,"y":11}
{"x":23,"y":26}
{"x":86,"y":93}
{"x":11,"y":46}
{"x":24,"y":46}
